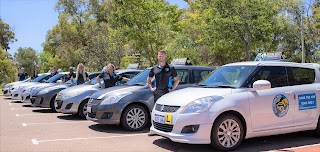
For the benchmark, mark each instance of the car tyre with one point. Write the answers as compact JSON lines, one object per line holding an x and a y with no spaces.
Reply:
{"x":227,"y":133}
{"x":52,"y":103}
{"x":83,"y":108}
{"x":134,"y":118}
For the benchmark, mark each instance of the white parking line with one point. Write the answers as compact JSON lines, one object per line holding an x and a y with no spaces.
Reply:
{"x":19,"y":108}
{"x":30,"y":115}
{"x":49,"y":123}
{"x":36,"y":142}
{"x":293,"y":148}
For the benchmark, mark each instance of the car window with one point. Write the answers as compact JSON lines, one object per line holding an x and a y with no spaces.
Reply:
{"x":130,"y":74}
{"x":199,"y":75}
{"x":183,"y":75}
{"x":276,"y":75}
{"x":300,"y":76}
{"x":228,"y":76}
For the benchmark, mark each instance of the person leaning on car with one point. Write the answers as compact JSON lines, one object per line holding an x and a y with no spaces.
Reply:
{"x":110,"y":78}
{"x":22,"y":75}
{"x":54,"y":71}
{"x":162,"y":72}
{"x":81,"y":75}
{"x":71,"y":74}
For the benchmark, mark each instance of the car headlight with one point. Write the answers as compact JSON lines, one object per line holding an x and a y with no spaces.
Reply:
{"x":44,"y":91}
{"x":201,"y":104}
{"x":114,"y":98}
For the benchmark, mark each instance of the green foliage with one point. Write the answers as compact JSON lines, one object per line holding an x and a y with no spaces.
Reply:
{"x":6,"y":35}
{"x":7,"y":70}
{"x":27,"y":58}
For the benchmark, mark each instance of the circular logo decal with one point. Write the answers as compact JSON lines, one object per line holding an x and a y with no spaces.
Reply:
{"x":280,"y":105}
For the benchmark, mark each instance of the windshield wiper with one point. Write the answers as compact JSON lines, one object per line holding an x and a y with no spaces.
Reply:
{"x":224,"y":86}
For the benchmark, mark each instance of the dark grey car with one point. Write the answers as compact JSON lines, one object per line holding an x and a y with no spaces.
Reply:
{"x":130,"y":106}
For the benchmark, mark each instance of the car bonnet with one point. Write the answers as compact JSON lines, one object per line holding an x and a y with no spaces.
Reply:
{"x":185,"y":96}
{"x":103,"y":93}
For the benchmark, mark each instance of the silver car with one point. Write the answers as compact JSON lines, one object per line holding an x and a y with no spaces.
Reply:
{"x":74,"y":100}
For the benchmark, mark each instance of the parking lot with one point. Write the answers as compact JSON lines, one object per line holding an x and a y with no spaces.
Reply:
{"x":26,"y":128}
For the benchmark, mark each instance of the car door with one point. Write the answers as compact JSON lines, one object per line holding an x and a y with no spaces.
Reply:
{"x":307,"y":96}
{"x":271,"y":108}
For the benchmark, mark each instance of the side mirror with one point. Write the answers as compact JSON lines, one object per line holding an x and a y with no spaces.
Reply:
{"x":59,"y":82}
{"x":261,"y":85}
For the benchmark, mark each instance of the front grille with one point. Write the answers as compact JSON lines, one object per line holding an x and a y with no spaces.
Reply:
{"x":59,"y":103}
{"x":162,"y":127}
{"x":94,"y":101}
{"x":166,"y":108}
{"x":28,"y":97}
{"x":5,"y":92}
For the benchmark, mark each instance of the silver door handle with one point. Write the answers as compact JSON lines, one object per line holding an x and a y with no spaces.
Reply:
{"x":289,"y":92}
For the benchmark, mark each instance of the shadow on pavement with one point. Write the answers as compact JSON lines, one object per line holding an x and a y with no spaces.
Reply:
{"x":44,"y":111}
{"x":16,"y":102}
{"x":277,"y":142}
{"x":115,"y":129}
{"x":28,"y":105}
{"x":70,"y":117}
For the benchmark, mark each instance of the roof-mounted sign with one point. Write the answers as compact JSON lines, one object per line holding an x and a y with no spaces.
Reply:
{"x":269,"y":56}
{"x":181,"y":61}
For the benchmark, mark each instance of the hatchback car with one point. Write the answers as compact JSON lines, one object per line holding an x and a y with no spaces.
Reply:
{"x":74,"y":100}
{"x":130,"y":106}
{"x":242,"y":100}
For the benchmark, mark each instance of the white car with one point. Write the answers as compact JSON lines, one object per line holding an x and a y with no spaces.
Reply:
{"x":240,"y":101}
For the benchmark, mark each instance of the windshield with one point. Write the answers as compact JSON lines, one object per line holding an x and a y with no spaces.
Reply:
{"x":40,"y":78}
{"x":228,"y":77}
{"x":55,"y":78}
{"x":140,"y":79}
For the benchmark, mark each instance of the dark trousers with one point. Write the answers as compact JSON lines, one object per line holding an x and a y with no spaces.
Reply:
{"x":158,"y":93}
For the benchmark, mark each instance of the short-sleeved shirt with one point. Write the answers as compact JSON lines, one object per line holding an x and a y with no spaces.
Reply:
{"x":70,"y":75}
{"x":22,"y":76}
{"x":54,"y":73}
{"x":81,"y":79}
{"x":162,"y":76}
{"x":110,"y":80}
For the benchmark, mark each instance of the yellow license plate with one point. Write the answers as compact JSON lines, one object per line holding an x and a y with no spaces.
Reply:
{"x":168,"y":119}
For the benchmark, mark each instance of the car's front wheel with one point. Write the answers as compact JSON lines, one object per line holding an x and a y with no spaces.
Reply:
{"x":317,"y":131}
{"x":134,"y":118}
{"x":227,"y":133}
{"x":52,"y":103}
{"x":83,"y":109}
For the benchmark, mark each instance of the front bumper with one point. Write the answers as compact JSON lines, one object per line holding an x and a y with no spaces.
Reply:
{"x":105,"y":114}
{"x":25,"y":97}
{"x":6,"y":92}
{"x":67,"y":106}
{"x":41,"y":101}
{"x":179,"y":121}
{"x":15,"y":95}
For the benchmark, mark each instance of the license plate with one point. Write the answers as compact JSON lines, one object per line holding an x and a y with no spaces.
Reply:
{"x":89,"y":109}
{"x":164,"y":119}
{"x":58,"y":96}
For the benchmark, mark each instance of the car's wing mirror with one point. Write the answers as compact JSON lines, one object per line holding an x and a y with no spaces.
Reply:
{"x":261,"y":85}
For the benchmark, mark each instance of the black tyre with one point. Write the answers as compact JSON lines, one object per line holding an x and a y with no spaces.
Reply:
{"x":52,"y":103}
{"x":227,"y":133}
{"x":82,"y":110}
{"x":134,"y":118}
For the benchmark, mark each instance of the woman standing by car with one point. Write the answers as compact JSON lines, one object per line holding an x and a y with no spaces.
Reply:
{"x":81,"y":75}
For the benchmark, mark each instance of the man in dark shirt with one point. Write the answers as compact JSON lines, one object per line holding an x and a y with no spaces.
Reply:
{"x":71,"y":74}
{"x":109,"y":77}
{"x":162,"y":73}
{"x":22,"y":75}
{"x":54,"y":71}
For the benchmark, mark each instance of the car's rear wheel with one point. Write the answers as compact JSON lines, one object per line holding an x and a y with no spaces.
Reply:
{"x":227,"y":133}
{"x":52,"y":103}
{"x":134,"y":118}
{"x":83,"y":109}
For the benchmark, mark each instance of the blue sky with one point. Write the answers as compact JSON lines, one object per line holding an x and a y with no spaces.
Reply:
{"x":31,"y":19}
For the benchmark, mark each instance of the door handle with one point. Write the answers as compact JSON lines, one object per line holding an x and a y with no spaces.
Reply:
{"x":289,"y":92}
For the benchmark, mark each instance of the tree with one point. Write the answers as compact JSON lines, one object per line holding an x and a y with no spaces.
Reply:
{"x":7,"y":70}
{"x":6,"y":36}
{"x":27,"y":58}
